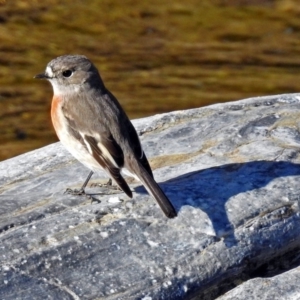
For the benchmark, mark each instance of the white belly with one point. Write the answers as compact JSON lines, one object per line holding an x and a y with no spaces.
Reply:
{"x":73,"y":145}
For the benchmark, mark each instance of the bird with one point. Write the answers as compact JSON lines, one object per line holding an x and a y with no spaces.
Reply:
{"x":92,"y":125}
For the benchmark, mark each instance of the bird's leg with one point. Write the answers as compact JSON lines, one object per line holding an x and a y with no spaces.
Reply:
{"x":81,"y":191}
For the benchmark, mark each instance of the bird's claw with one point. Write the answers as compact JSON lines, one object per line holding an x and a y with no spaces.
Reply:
{"x":75,"y":192}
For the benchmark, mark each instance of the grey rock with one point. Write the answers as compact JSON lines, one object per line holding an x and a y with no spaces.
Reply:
{"x":231,"y":170}
{"x":283,"y":286}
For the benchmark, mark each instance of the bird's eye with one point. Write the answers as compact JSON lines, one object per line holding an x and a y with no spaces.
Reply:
{"x":67,"y":73}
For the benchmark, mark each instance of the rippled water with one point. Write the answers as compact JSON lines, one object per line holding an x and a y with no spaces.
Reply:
{"x":155,"y":56}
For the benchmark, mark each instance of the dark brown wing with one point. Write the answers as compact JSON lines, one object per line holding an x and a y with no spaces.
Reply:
{"x":105,"y":151}
{"x":127,"y":130}
{"x":107,"y":154}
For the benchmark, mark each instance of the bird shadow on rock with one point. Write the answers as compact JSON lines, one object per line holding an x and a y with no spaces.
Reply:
{"x":211,"y":188}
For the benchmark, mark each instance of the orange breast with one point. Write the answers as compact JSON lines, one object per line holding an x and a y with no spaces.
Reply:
{"x":55,"y":114}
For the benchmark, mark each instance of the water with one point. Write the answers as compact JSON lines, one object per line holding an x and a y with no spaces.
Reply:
{"x":155,"y":56}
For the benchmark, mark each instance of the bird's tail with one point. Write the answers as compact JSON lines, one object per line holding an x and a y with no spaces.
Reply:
{"x":155,"y":191}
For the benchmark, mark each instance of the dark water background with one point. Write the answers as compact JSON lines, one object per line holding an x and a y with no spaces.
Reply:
{"x":155,"y":56}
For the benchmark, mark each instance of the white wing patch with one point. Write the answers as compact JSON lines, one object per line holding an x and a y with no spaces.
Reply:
{"x":87,"y":144}
{"x":106,"y":154}
{"x":102,"y":149}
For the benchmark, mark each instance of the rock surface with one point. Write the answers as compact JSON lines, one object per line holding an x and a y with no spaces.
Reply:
{"x":232,"y":172}
{"x":283,"y":286}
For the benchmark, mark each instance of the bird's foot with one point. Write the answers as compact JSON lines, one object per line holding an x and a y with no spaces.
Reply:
{"x":106,"y":184}
{"x":81,"y":192}
{"x":109,"y":185}
{"x":75,"y":192}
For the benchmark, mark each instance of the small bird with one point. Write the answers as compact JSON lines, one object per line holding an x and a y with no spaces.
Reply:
{"x":92,"y":125}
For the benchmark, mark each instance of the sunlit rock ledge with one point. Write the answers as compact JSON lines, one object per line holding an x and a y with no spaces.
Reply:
{"x":231,"y":170}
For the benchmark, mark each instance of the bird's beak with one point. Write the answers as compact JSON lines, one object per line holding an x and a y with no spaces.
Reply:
{"x":41,"y":76}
